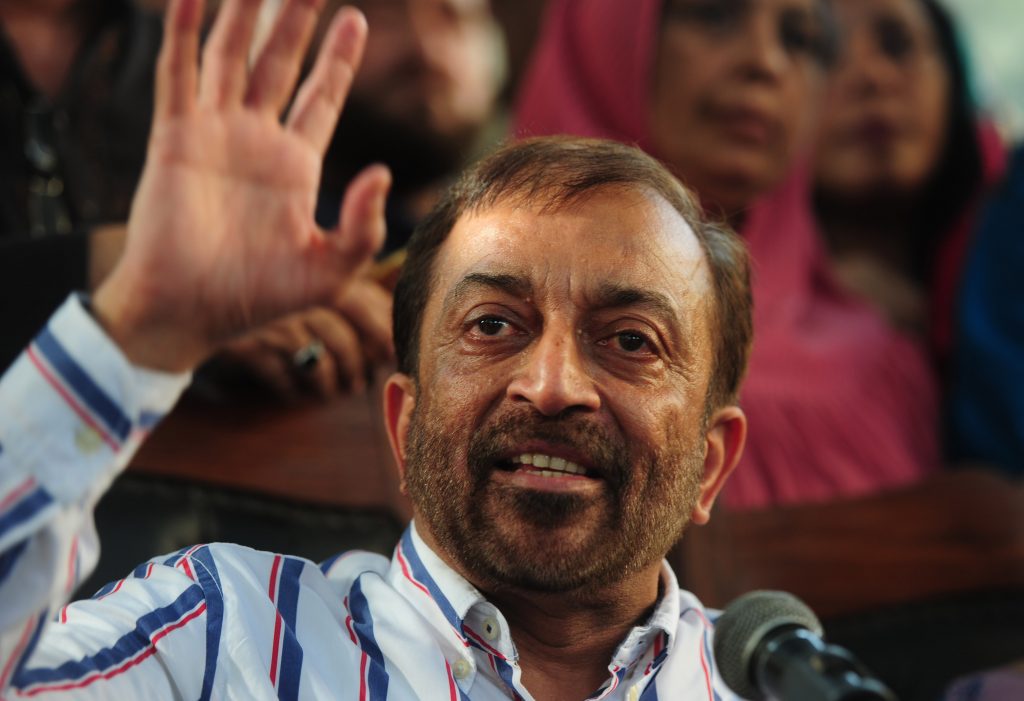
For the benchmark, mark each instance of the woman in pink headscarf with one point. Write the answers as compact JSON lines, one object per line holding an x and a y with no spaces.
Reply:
{"x":725,"y":93}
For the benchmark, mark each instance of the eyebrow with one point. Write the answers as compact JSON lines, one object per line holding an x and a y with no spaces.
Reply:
{"x":613,"y":296}
{"x":515,"y":285}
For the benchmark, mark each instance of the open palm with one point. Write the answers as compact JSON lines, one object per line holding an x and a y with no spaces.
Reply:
{"x":221,"y":234}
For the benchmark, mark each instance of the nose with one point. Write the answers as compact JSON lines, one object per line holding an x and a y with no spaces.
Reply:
{"x":762,"y":53}
{"x":865,"y":67}
{"x":554,"y":377}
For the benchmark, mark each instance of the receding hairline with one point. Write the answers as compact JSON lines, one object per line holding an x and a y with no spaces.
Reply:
{"x":547,"y":201}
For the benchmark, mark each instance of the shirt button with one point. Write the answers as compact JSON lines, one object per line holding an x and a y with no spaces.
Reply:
{"x":633,"y":694}
{"x":461,"y":669}
{"x":87,"y":440}
{"x":491,"y":629}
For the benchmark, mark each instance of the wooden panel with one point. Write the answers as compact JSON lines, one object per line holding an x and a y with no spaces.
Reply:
{"x":956,"y":532}
{"x":333,"y":453}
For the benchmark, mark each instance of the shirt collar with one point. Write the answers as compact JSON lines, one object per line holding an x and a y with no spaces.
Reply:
{"x":456,"y":600}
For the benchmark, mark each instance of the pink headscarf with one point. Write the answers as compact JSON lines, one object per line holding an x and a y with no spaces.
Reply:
{"x":839,"y":403}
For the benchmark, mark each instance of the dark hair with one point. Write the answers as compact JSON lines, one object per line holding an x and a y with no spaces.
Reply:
{"x":557,"y":171}
{"x":958,"y":174}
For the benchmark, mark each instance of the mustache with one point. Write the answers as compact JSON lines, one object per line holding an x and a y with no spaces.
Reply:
{"x":606,"y":452}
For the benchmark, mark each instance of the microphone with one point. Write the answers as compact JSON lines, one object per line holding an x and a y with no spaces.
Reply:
{"x":768,"y":645}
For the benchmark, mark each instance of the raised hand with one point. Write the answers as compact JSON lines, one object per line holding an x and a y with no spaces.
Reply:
{"x":221,"y":236}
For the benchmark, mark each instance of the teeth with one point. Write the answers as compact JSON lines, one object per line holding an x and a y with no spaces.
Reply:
{"x":559,"y":466}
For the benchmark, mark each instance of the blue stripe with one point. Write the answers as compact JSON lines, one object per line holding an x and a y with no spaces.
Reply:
{"x":651,"y":690}
{"x":288,"y":606}
{"x":419,"y":571}
{"x":709,"y":656}
{"x":149,"y":419}
{"x":363,"y":625}
{"x":127,"y":646}
{"x":327,"y":564}
{"x":209,"y":579}
{"x":105,"y":589}
{"x":24,"y":510}
{"x":31,"y":647}
{"x":91,"y":394}
{"x":169,"y":562}
{"x":504,"y":668}
{"x":140,"y":571}
{"x":10,"y":558}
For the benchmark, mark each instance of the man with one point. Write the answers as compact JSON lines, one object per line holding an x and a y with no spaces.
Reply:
{"x":571,"y":337}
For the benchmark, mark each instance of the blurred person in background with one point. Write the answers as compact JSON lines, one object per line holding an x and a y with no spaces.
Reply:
{"x":902,"y":161}
{"x":727,"y":94}
{"x":986,"y":402}
{"x":75,"y":106}
{"x":425,"y":103}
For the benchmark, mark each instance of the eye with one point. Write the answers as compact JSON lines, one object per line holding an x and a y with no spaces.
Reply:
{"x":800,"y":34}
{"x":710,"y":14}
{"x":492,"y":326}
{"x":894,"y":40}
{"x":630,"y":341}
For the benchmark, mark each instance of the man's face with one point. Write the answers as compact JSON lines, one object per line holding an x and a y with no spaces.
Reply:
{"x":430,"y":65}
{"x":576,"y":340}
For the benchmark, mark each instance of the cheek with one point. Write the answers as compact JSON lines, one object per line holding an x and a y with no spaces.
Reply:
{"x":806,"y":92}
{"x":932,"y":113}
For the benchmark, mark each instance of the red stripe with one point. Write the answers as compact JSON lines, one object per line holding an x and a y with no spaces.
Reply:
{"x":127,"y":665}
{"x":64,"y":614}
{"x":149,"y":571}
{"x":272,"y":592}
{"x":72,"y":561}
{"x":83,"y":413}
{"x":17,"y":493}
{"x":483,"y":643}
{"x":451,"y":681}
{"x":362,"y":678}
{"x":408,"y":575}
{"x":18,"y":650}
{"x":704,"y":665}
{"x":188,"y":569}
{"x":277,"y":647}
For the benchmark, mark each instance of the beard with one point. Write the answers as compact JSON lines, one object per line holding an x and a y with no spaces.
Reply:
{"x":504,"y":536}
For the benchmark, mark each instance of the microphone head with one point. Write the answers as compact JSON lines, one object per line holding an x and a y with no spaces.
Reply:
{"x":744,"y":625}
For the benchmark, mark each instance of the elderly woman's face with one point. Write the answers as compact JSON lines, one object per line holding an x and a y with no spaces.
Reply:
{"x":736,"y":90}
{"x":886,"y":116}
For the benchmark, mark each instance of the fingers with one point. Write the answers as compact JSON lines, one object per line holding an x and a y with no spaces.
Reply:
{"x":361,"y":226}
{"x":321,"y":96}
{"x":344,"y":347}
{"x":225,"y":55}
{"x":277,"y":68}
{"x":176,"y":72}
{"x":367,"y":306}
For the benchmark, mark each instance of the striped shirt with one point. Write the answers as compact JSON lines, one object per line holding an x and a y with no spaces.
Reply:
{"x":224,"y":621}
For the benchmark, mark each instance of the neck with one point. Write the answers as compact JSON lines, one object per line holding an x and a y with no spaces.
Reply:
{"x":566,"y":641}
{"x":882,"y":228}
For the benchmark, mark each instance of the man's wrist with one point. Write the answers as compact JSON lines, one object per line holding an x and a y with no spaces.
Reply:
{"x":149,"y":340}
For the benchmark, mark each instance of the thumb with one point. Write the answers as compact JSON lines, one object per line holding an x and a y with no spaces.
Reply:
{"x":361,"y":226}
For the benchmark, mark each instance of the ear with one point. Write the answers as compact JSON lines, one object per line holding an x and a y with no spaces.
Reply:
{"x":727,"y":432}
{"x":399,"y":401}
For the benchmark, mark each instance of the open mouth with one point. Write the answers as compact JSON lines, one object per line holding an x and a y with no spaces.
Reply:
{"x":545,"y":466}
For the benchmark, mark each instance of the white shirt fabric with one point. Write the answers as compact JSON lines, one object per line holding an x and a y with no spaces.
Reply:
{"x":223,"y":621}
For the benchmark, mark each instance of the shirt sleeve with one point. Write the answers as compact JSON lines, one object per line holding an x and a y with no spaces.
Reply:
{"x":73,"y":411}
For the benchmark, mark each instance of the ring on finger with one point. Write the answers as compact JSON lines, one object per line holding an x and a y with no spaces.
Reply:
{"x":307,"y":357}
